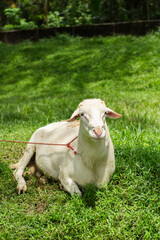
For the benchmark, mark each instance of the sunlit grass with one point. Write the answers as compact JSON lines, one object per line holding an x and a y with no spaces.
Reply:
{"x":44,"y":82}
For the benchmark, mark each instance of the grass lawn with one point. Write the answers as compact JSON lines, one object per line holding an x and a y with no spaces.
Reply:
{"x":43,"y":82}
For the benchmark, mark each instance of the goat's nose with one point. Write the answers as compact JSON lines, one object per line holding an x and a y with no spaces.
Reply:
{"x":97,"y":131}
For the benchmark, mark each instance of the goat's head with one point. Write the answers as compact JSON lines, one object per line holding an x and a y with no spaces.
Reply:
{"x":92,"y":113}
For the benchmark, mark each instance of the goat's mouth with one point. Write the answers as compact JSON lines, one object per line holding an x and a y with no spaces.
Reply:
{"x":96,"y":139}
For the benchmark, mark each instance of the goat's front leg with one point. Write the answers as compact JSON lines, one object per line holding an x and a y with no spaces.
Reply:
{"x":68,"y":184}
{"x":18,"y":174}
{"x":20,"y":166}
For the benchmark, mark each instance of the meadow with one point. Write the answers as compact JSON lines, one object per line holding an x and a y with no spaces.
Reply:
{"x":42,"y":82}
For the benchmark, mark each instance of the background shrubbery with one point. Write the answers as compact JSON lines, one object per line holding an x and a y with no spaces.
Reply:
{"x":17,"y":14}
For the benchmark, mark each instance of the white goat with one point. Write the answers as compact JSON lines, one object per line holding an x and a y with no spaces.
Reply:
{"x":94,"y":161}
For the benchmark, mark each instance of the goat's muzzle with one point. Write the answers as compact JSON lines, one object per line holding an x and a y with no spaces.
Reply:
{"x":98,"y":131}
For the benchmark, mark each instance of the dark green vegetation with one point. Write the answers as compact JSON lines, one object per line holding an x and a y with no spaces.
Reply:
{"x":44,"y":82}
{"x":27,"y":14}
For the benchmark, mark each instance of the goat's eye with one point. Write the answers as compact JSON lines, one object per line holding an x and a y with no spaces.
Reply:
{"x":83,"y":115}
{"x":104,"y":115}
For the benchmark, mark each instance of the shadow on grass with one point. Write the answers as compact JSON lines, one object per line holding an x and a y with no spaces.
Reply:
{"x":50,"y":65}
{"x":89,"y":195}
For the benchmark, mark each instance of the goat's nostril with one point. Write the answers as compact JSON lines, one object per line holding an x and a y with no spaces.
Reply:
{"x":98,"y":131}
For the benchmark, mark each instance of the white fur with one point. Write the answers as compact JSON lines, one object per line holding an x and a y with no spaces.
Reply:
{"x":94,"y":161}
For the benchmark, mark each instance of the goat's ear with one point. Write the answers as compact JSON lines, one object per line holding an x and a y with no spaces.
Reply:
{"x":74,"y":116}
{"x":111,"y":114}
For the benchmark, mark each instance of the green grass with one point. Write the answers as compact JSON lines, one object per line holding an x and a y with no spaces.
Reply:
{"x":43,"y":82}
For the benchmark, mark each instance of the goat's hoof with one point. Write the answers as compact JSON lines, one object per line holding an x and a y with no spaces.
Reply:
{"x":32,"y":170}
{"x":13,"y":165}
{"x":42,"y":180}
{"x":75,"y":191}
{"x":21,"y":188}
